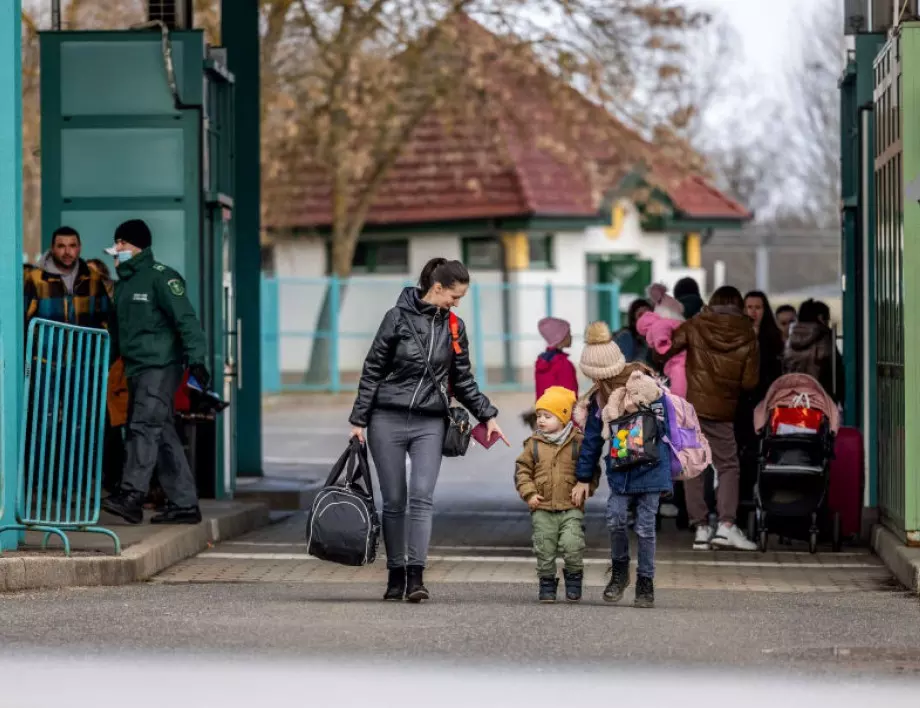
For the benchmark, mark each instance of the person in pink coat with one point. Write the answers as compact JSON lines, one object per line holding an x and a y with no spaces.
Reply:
{"x":657,"y":327}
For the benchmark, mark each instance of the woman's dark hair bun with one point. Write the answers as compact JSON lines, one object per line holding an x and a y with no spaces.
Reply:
{"x":440,"y":270}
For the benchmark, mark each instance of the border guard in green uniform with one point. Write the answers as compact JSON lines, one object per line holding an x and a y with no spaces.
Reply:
{"x":156,"y":333}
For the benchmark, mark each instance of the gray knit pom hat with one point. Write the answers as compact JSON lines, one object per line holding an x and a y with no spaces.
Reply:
{"x":601,"y":358}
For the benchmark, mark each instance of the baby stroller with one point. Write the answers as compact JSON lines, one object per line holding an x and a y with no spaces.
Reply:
{"x":793,"y":469}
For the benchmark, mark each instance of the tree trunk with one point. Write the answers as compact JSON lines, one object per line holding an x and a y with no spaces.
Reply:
{"x":320,"y":371}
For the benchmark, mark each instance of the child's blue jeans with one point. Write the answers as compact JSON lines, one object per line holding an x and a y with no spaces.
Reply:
{"x":646,"y":511}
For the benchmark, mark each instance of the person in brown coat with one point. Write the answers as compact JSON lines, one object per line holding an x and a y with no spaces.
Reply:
{"x":722,"y":361}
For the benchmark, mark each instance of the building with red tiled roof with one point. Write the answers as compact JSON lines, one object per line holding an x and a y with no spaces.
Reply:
{"x":496,"y":193}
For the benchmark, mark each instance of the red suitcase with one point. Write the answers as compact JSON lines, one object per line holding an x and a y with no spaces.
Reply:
{"x":845,"y":495}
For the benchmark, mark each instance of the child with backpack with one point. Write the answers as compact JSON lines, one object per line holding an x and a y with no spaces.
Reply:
{"x":626,"y":413}
{"x":545,"y":477}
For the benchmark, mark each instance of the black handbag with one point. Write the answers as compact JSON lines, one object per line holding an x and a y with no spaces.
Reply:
{"x":343,"y":526}
{"x":458,"y":426}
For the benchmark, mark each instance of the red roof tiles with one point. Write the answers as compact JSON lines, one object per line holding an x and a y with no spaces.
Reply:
{"x":498,"y":166}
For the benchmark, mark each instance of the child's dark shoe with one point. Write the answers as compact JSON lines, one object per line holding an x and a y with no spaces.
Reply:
{"x":645,"y":593}
{"x":548,"y":589}
{"x":619,"y":581}
{"x":573,"y":582}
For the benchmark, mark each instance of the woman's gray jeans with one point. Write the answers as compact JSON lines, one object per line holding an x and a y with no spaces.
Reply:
{"x":390,"y":436}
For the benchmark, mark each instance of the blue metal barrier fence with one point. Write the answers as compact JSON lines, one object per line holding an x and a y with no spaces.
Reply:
{"x":316,"y":331}
{"x":61,"y":434}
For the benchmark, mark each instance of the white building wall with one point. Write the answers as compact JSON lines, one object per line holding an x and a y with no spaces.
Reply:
{"x":300,"y":264}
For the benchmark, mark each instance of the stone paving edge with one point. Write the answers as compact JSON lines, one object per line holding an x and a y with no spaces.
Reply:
{"x":138,"y":562}
{"x":901,"y":560}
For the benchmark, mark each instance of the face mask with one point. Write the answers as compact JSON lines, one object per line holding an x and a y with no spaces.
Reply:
{"x":123,"y":256}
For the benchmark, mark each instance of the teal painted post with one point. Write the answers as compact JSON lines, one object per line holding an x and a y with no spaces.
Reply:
{"x":11,"y":334}
{"x":271,"y":336}
{"x":549,"y":299}
{"x":240,"y":35}
{"x":335,"y":295}
{"x":850,"y":246}
{"x":613,"y":292}
{"x":867,"y":47}
{"x":479,"y":344}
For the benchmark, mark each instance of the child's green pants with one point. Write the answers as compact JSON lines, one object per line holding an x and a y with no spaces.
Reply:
{"x":558,"y":533}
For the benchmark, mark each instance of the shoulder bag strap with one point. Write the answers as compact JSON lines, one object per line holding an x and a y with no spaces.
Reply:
{"x":421,"y":348}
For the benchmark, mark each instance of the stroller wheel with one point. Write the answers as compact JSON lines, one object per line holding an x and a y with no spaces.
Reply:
{"x":763,"y":541}
{"x":752,"y":525}
{"x":836,"y":541}
{"x":813,"y":541}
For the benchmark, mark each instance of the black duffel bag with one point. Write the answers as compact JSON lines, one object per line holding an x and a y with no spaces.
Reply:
{"x":343,"y":526}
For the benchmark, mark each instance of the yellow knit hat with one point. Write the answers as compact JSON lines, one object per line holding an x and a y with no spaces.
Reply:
{"x":559,"y":401}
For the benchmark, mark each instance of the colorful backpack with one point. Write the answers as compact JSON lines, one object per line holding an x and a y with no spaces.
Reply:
{"x":690,"y":451}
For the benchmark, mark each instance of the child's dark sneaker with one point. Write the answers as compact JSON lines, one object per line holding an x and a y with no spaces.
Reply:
{"x":619,"y":581}
{"x":645,"y":593}
{"x":548,"y":589}
{"x":573,"y":583}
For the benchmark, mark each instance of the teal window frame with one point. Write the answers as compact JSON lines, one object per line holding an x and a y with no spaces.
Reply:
{"x":371,"y":250}
{"x":677,"y":241}
{"x":547,"y":242}
{"x":468,"y":241}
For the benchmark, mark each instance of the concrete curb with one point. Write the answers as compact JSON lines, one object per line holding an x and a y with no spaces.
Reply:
{"x":280,"y":494}
{"x":902,"y":561}
{"x":138,"y":562}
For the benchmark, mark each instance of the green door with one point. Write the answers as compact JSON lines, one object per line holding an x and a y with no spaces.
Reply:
{"x":633,"y":274}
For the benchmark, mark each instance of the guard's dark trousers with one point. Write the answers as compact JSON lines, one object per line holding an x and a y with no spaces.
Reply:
{"x":152,"y":436}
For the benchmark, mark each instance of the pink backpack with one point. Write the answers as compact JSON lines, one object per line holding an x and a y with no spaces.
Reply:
{"x":690,"y":451}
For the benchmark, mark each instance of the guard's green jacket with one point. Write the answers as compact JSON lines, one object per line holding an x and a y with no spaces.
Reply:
{"x":156,"y":324}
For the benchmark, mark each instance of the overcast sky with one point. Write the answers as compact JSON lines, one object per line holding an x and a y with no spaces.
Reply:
{"x":768,"y":32}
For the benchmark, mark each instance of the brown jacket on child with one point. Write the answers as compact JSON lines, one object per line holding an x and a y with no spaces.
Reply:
{"x":549,"y":470}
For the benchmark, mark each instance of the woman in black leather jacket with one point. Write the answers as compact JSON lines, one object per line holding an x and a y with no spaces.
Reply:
{"x":403,"y":413}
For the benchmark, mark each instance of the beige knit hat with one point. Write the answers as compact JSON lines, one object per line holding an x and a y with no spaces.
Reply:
{"x":601,"y":358}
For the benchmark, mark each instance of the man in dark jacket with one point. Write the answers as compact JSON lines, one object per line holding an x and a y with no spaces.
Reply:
{"x":687,"y":293}
{"x":157,"y":330}
{"x":811,"y":349}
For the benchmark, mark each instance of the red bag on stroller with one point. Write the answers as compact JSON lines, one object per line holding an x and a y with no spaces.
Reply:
{"x":788,"y":421}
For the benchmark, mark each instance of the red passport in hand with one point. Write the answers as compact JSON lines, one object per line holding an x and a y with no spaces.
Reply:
{"x":481,"y":435}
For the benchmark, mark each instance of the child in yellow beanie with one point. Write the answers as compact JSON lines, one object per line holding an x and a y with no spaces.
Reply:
{"x":545,"y":478}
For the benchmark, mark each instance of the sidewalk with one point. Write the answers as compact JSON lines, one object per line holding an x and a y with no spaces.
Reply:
{"x":146,"y":550}
{"x":902,"y":561}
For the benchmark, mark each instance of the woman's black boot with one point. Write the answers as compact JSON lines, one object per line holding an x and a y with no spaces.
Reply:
{"x":396,"y":584}
{"x":415,"y":586}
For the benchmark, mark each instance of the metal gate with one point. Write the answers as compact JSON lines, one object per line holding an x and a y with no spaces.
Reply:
{"x":889,"y":285}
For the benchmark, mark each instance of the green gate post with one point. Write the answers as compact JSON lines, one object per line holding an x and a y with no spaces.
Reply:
{"x":909,"y":121}
{"x":851,"y":261}
{"x":240,"y":35}
{"x":11,"y":333}
{"x":862,"y":151}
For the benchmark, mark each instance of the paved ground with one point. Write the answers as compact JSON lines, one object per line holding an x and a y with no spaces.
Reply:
{"x":261,"y":593}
